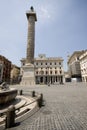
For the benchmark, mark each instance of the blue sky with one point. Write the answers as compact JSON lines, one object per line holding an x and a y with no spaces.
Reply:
{"x":61,"y":28}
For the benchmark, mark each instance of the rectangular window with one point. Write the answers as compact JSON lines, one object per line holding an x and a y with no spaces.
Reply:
{"x":55,"y":72}
{"x":41,"y":63}
{"x":36,"y":72}
{"x":36,"y":63}
{"x":46,"y":72}
{"x":50,"y":72}
{"x":60,"y":72}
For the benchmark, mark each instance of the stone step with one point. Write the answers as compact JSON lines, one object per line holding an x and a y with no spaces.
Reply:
{"x":22,"y":111}
{"x":2,"y":119}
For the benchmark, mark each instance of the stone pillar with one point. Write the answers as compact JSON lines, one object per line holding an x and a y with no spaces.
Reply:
{"x":10,"y":118}
{"x":28,"y":70}
{"x":31,"y":17}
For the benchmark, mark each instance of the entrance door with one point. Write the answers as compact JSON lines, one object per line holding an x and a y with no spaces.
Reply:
{"x":41,"y":79}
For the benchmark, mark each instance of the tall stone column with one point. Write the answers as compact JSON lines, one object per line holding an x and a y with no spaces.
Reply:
{"x":31,"y":16}
{"x":28,"y":70}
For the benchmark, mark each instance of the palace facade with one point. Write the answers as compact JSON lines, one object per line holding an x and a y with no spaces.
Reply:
{"x":47,"y":69}
{"x":74,"y":68}
{"x":83,"y":65}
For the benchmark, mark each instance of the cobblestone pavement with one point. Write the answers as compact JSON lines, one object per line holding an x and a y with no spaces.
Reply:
{"x":65,"y":108}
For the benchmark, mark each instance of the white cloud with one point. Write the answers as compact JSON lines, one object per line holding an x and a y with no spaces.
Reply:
{"x":44,"y":14}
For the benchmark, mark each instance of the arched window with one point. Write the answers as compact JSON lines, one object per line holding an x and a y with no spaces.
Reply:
{"x":41,"y":72}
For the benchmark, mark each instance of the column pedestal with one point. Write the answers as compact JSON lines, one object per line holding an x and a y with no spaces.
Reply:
{"x":28,"y":75}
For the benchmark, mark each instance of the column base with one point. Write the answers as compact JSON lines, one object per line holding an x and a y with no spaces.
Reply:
{"x":28,"y":75}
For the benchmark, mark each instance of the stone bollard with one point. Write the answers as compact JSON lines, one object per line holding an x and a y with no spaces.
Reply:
{"x":40,"y":100}
{"x":10,"y":117}
{"x":21,"y":92}
{"x":33,"y":93}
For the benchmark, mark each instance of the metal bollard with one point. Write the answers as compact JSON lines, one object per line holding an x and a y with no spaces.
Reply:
{"x":33,"y":93}
{"x":40,"y":100}
{"x":10,"y":118}
{"x":21,"y":92}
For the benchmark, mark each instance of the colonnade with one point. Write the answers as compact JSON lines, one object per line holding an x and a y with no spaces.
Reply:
{"x":48,"y":79}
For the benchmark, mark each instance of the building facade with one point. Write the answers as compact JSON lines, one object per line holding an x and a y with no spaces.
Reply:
{"x":83,"y":65}
{"x":74,"y":65}
{"x":15,"y":74}
{"x":5,"y":69}
{"x":47,"y":69}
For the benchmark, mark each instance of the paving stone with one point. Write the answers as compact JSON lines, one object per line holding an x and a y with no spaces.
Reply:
{"x":65,"y":108}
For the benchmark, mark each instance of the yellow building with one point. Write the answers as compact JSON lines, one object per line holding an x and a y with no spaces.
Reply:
{"x":15,"y":74}
{"x":5,"y":69}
